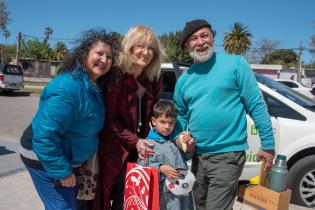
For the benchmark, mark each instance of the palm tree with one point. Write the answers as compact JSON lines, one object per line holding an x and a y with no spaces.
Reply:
{"x":48,"y":32}
{"x":60,"y":50}
{"x":6,"y":34}
{"x":238,"y":41}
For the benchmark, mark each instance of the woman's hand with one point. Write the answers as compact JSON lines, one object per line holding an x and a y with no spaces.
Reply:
{"x":69,"y":181}
{"x":144,"y":148}
{"x":169,"y":171}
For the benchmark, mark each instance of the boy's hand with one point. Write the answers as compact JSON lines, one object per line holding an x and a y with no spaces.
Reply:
{"x":186,"y":142}
{"x":169,"y":171}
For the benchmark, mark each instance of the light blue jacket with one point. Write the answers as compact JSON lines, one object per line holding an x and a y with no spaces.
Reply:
{"x":66,"y":125}
{"x":212,"y":100}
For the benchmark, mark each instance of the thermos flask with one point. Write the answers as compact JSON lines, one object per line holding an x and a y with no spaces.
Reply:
{"x":278,"y":177}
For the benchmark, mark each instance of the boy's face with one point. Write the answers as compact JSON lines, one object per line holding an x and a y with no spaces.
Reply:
{"x":164,"y":125}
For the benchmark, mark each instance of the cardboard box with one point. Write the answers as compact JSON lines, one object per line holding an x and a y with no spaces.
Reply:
{"x":260,"y":197}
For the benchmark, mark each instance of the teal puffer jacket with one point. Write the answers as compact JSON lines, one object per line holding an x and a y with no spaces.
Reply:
{"x":66,"y":125}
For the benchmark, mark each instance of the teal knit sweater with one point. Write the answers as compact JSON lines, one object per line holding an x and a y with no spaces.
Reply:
{"x":213,"y":98}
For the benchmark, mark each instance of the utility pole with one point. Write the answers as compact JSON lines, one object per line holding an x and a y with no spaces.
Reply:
{"x":18,"y":47}
{"x":299,"y":73}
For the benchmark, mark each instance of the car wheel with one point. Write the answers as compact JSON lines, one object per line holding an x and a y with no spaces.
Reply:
{"x":302,"y":182}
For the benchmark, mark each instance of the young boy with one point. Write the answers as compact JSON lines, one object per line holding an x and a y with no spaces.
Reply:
{"x":167,"y":157}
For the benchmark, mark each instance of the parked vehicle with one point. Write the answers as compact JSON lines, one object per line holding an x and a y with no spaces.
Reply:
{"x":297,"y":86}
{"x":293,"y":122}
{"x":11,"y":77}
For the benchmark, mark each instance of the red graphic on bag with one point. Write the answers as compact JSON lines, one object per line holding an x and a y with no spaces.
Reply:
{"x":141,"y":188}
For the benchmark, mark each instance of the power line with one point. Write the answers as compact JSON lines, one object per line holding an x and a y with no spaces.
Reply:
{"x":256,"y":49}
{"x":68,"y":40}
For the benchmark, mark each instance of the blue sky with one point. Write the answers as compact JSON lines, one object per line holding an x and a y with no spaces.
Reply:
{"x":289,"y":21}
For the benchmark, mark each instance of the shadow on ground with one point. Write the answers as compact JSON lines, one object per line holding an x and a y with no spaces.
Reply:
{"x":5,"y":151}
{"x":14,"y":94}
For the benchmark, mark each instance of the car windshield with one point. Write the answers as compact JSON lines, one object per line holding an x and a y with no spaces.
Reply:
{"x":287,"y":92}
{"x":11,"y":69}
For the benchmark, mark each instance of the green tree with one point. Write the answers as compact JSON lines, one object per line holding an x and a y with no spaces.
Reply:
{"x":60,"y":51}
{"x":117,"y":43}
{"x":173,"y":51}
{"x":35,"y":49}
{"x":238,"y":40}
{"x":4,"y":15}
{"x":7,"y":52}
{"x":287,"y":58}
{"x":48,"y":32}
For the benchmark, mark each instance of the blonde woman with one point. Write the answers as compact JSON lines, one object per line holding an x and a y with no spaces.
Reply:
{"x":129,"y":100}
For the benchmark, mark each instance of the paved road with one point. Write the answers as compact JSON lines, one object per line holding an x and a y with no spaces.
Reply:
{"x":10,"y":162}
{"x":16,"y":112}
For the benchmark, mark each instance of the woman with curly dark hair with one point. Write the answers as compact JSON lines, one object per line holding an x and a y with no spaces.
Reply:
{"x":66,"y":126}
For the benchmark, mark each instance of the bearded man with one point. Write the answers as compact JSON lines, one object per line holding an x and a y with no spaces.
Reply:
{"x":213,"y":97}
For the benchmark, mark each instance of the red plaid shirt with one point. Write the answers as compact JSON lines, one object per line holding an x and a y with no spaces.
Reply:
{"x":118,"y":137}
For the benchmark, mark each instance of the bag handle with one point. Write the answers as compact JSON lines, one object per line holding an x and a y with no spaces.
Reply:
{"x":263,"y":175}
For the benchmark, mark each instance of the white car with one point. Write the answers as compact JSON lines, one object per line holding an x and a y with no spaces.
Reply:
{"x":11,"y":77}
{"x":293,"y":122}
{"x":297,"y":87}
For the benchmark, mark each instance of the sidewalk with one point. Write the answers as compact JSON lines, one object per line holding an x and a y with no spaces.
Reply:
{"x":17,"y":193}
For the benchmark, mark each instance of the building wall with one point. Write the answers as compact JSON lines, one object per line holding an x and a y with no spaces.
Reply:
{"x":39,"y":69}
{"x":273,"y":74}
{"x":268,"y":70}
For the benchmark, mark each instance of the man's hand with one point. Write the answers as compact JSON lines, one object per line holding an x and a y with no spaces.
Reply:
{"x":69,"y":181}
{"x":267,"y":156}
{"x":186,"y":142}
{"x":169,"y":171}
{"x":144,"y":148}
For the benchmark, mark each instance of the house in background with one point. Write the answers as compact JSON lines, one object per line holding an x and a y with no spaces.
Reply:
{"x":35,"y":70}
{"x":307,"y":75}
{"x":272,"y":71}
{"x":277,"y":72}
{"x":289,"y":73}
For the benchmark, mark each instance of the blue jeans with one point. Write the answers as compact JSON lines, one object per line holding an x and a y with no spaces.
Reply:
{"x":55,"y":197}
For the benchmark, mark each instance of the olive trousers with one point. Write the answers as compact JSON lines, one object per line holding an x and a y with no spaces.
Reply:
{"x":217,"y":178}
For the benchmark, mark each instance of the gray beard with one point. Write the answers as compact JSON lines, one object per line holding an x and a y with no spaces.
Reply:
{"x":201,"y":58}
